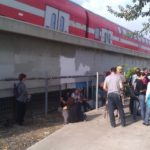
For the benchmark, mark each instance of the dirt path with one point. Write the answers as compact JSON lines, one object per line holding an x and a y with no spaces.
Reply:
{"x":21,"y":137}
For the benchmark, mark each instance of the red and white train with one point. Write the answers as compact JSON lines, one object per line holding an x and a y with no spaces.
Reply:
{"x":66,"y":16}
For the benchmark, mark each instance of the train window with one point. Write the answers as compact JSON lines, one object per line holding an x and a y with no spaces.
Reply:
{"x":97,"y":33}
{"x":135,"y":37}
{"x":143,"y":40}
{"x":105,"y":37}
{"x":119,"y":30}
{"x":140,"y":39}
{"x":124,"y":32}
{"x":53,"y":21}
{"x":109,"y":38}
{"x":61,"y":25}
{"x":147,"y":41}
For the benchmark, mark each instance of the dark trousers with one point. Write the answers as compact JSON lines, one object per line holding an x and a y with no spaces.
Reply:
{"x":80,"y":114}
{"x":86,"y":106}
{"x":114,"y":101}
{"x":134,"y":107}
{"x":20,"y":112}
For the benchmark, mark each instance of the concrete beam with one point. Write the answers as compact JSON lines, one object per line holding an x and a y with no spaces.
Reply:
{"x":19,"y":27}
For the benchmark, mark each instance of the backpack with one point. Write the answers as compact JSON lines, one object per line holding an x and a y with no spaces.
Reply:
{"x":15,"y":90}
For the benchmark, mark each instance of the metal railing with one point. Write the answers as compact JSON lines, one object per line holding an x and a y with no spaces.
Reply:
{"x":46,"y":94}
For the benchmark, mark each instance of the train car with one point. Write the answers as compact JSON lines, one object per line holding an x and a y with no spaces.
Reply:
{"x":56,"y":15}
{"x":108,"y":32}
{"x":66,"y":16}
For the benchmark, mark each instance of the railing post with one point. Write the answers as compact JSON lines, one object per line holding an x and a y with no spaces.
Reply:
{"x":46,"y":95}
{"x":87,"y":90}
{"x":97,"y":90}
{"x":92,"y":89}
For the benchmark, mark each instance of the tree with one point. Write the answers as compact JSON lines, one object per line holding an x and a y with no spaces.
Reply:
{"x":134,"y":11}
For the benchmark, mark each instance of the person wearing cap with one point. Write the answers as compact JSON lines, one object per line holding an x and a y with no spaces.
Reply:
{"x":120,"y":73}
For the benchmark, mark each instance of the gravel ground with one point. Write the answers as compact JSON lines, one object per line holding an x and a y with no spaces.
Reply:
{"x":21,"y":137}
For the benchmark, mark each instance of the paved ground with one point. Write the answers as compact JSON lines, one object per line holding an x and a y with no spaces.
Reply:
{"x":96,"y":134}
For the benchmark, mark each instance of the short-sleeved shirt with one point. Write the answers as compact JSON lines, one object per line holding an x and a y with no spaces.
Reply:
{"x":113,"y":83}
{"x":123,"y":79}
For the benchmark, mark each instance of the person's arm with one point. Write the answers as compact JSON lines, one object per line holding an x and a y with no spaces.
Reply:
{"x":105,"y":86}
{"x":120,"y":84}
{"x":62,"y":100}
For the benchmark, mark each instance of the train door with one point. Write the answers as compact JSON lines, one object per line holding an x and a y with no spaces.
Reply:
{"x":56,"y":19}
{"x":107,"y":36}
{"x":63,"y":21}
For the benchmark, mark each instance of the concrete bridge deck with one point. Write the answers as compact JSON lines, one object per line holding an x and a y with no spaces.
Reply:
{"x":96,"y":134}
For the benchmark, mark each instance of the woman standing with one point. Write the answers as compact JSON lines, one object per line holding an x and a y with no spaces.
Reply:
{"x":21,"y":99}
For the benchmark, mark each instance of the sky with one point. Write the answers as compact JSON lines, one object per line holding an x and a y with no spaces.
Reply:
{"x":100,"y":7}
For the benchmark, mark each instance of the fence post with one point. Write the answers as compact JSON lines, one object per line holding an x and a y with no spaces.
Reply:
{"x":87,"y":89}
{"x":46,"y":95}
{"x":97,"y":90}
{"x":60,"y":91}
{"x":92,"y":89}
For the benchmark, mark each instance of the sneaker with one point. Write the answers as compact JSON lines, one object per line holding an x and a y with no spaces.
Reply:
{"x":113,"y":126}
{"x":134,"y":119}
{"x":123,"y":125}
{"x":146,"y":124}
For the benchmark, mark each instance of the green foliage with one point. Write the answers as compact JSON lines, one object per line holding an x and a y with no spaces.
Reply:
{"x":134,"y":11}
{"x":130,"y":72}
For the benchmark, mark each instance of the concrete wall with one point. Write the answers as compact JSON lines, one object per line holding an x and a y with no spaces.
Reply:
{"x":39,"y":52}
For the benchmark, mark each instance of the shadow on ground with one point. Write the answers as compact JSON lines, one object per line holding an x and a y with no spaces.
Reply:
{"x":91,"y":117}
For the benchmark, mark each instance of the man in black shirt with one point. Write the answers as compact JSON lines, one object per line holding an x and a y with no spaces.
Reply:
{"x":140,"y":90}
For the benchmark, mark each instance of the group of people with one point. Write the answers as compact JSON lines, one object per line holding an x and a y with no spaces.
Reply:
{"x":74,"y":105}
{"x":139,"y":97}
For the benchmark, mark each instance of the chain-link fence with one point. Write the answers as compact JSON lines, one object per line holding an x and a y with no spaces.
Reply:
{"x":45,"y":93}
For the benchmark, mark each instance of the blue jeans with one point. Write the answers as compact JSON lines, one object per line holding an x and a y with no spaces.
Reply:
{"x":142,"y":105}
{"x":114,"y":101}
{"x":135,"y":108}
{"x":147,"y":114}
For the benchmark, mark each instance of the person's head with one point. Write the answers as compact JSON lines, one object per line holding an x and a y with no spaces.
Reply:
{"x":137,"y":70}
{"x":107,"y":73}
{"x":138,"y":74}
{"x":22,"y":76}
{"x":119,"y":69}
{"x":77,"y":91}
{"x":145,"y":70}
{"x":142,"y":75}
{"x":113,"y":69}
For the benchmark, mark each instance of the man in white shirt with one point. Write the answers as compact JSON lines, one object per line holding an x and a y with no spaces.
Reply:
{"x":113,"y":85}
